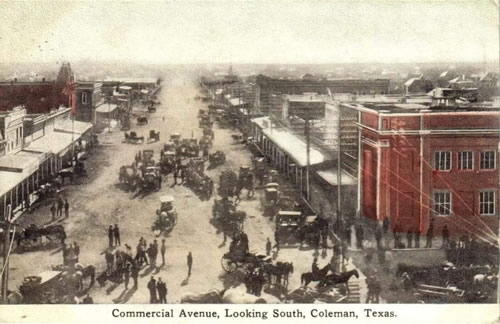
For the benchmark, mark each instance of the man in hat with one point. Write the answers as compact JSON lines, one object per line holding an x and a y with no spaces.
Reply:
{"x":153,"y":299}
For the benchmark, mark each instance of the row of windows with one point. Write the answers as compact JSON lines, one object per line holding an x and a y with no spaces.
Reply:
{"x":443,"y":203}
{"x":465,"y":160}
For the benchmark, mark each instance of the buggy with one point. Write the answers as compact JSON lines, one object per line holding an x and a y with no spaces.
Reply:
{"x":153,"y":136}
{"x":167,"y":216}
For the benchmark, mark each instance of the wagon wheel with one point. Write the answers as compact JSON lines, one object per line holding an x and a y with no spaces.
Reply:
{"x":229,"y":265}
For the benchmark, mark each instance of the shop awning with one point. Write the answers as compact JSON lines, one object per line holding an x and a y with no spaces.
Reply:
{"x":330,"y":176}
{"x":11,"y":179}
{"x":19,"y":163}
{"x":55,"y":142}
{"x":295,"y":148}
{"x":104,"y":109}
{"x":69,"y":126}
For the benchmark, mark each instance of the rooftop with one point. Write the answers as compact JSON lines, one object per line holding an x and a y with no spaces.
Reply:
{"x":398,"y":108}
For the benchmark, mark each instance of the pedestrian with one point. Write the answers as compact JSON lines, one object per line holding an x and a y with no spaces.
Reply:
{"x":378,"y":236}
{"x":347,"y":233}
{"x":163,"y":249}
{"x":134,"y":272}
{"x":116,"y":234}
{"x":161,"y":287}
{"x":153,"y":299}
{"x":396,"y":234}
{"x":110,"y":235}
{"x":430,"y":234}
{"x":150,"y":252}
{"x":409,"y":238}
{"x":126,"y":274}
{"x":175,"y":173}
{"x":66,"y":208}
{"x":446,"y":236}
{"x":268,"y":247}
{"x":417,"y":237}
{"x":277,"y":240}
{"x":60,"y":206}
{"x":76,"y":249}
{"x":189,"y":263}
{"x":53,"y":210}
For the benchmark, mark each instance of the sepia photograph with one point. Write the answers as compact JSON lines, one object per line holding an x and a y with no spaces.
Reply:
{"x":248,"y":152}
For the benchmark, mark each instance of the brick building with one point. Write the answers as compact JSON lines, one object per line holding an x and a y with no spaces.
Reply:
{"x":419,"y":163}
{"x":266,"y":87}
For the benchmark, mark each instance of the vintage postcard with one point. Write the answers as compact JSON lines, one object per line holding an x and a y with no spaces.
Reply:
{"x":188,"y":161}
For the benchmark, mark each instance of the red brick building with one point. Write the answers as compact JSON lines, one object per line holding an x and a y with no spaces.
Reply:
{"x":419,"y":162}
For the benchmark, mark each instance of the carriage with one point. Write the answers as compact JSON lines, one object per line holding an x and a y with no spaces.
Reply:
{"x":205,"y":121}
{"x":239,"y":257}
{"x":78,"y":170}
{"x":270,"y":199}
{"x":154,"y":136}
{"x":133,"y":138}
{"x":209,"y":132}
{"x":33,"y":236}
{"x":175,"y":138}
{"x":151,"y":179}
{"x":224,"y":214}
{"x":228,"y":182}
{"x":128,"y":177}
{"x":167,"y":216}
{"x":216,"y":158}
{"x":151,"y":108}
{"x":167,"y":162}
{"x":46,"y":288}
{"x":142,"y":120}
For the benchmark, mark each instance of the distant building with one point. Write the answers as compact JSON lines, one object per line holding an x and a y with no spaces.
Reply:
{"x":88,"y":96}
{"x":266,"y":87}
{"x":417,"y":85}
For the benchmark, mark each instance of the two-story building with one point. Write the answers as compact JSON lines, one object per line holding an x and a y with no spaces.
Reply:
{"x":420,"y":162}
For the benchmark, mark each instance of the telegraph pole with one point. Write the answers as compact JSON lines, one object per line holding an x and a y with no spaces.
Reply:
{"x":6,"y":247}
{"x":308,"y":152}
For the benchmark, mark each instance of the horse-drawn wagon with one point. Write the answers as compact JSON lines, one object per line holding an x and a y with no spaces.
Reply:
{"x":133,"y":138}
{"x":167,"y":216}
{"x":226,"y":216}
{"x":216,"y":158}
{"x":151,"y":179}
{"x":33,"y":236}
{"x":205,"y":121}
{"x":142,"y":120}
{"x":154,"y":136}
{"x":128,"y":177}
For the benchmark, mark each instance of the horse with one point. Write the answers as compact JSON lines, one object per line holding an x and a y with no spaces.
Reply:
{"x":307,"y":277}
{"x":280,"y":271}
{"x":341,"y":278}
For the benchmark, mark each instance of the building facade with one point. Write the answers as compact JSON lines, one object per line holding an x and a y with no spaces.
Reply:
{"x":420,"y":163}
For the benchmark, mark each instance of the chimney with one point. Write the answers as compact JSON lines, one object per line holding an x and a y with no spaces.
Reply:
{"x":43,"y":79}
{"x":15,"y":80}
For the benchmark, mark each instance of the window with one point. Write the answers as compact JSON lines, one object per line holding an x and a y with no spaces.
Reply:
{"x":84,"y":98}
{"x":442,"y":203}
{"x":487,"y":202}
{"x":488,"y":160}
{"x":442,"y":160}
{"x":466,"y":160}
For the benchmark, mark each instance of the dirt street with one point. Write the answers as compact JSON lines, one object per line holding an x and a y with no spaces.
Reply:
{"x":98,"y":202}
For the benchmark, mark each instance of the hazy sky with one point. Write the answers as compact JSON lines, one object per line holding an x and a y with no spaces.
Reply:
{"x":250,"y":31}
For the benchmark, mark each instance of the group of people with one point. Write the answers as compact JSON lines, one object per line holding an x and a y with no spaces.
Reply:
{"x":114,"y":236}
{"x":120,"y":266}
{"x":157,"y":291}
{"x":148,"y":254}
{"x":57,"y":208}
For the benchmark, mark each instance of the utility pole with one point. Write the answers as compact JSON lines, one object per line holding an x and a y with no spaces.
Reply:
{"x":6,"y":246}
{"x":308,"y":152}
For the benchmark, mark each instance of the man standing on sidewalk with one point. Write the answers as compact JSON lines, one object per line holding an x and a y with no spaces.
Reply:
{"x":60,"y":206}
